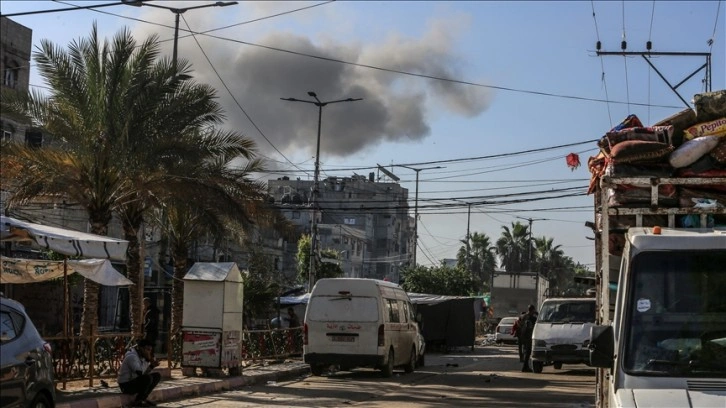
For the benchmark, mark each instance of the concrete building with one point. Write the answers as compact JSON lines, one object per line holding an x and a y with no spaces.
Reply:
{"x":15,"y":48}
{"x":365,"y":220}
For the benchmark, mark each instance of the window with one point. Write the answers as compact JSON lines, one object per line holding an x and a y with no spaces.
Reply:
{"x":10,"y":326}
{"x":393,"y":314}
{"x":676,"y":314}
{"x":343,"y":308}
{"x":33,"y":138}
{"x":10,"y":76}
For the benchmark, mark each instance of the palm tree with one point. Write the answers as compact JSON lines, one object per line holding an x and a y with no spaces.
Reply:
{"x":513,"y":248}
{"x":480,"y":258}
{"x":548,"y":259}
{"x":121,"y":139}
{"x":93,"y":88}
{"x":218,"y":198}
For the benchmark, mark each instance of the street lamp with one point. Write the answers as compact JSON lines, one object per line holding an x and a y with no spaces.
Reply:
{"x":415,"y":208}
{"x":313,"y":227}
{"x":179,"y":11}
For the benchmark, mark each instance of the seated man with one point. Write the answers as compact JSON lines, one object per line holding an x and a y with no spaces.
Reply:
{"x":135,"y":376}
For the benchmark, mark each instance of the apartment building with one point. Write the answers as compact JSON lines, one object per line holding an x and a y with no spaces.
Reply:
{"x":363,"y":219}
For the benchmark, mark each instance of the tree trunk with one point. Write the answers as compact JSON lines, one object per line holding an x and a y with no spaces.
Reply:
{"x":134,"y":272}
{"x":89,"y":318}
{"x":177,"y":291}
{"x":90,"y":307}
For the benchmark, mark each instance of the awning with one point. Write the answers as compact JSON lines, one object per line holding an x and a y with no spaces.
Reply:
{"x":64,"y":241}
{"x":15,"y":270}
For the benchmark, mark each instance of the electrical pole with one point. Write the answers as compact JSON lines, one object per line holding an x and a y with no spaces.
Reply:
{"x":415,"y":208}
{"x":647,"y":54}
{"x":316,"y":184}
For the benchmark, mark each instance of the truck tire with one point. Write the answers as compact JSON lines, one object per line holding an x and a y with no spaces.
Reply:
{"x":537,"y":366}
{"x":387,"y":369}
{"x":558,"y":365}
{"x":316,"y":369}
{"x":411,"y":361}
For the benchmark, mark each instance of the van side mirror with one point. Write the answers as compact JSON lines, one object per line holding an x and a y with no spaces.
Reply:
{"x":602,"y":346}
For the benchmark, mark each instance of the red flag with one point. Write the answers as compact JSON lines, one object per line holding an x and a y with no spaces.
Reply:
{"x":573,"y":161}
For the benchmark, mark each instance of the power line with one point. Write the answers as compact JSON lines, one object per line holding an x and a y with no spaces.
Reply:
{"x":92,"y":7}
{"x":433,"y":77}
{"x":224,"y":84}
{"x":623,"y":46}
{"x":602,"y":64}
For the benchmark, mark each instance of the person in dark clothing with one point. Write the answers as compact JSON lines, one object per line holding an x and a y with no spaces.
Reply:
{"x":292,"y":318}
{"x":135,"y":376}
{"x":517,"y":332}
{"x":527,"y":327}
{"x":151,"y":322}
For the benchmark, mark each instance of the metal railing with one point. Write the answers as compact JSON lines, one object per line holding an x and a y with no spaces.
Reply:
{"x":99,"y":356}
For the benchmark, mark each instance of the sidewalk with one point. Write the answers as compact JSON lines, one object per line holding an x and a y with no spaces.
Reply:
{"x":175,"y":386}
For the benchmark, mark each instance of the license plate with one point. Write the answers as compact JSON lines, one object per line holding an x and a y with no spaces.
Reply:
{"x":348,"y":339}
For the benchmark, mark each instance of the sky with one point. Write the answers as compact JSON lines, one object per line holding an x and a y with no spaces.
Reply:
{"x":485,"y":99}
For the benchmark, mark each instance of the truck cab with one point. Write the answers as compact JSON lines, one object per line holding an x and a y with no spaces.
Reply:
{"x":666,"y":345}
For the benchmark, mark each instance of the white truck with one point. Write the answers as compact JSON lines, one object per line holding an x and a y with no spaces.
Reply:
{"x":660,"y":338}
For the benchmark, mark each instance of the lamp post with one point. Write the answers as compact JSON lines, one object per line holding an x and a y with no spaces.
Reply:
{"x":415,"y":208}
{"x":178,"y":12}
{"x":313,"y":227}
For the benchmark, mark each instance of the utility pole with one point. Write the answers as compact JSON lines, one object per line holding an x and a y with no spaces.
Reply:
{"x":529,"y":247}
{"x":177,"y":12}
{"x":647,"y":54}
{"x":316,"y":191}
{"x":468,"y":237}
{"x":415,"y":208}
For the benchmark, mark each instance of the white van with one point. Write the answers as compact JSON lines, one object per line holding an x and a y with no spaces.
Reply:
{"x":562,"y":332}
{"x":360,"y":323}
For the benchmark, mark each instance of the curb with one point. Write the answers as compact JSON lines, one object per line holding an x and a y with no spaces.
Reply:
{"x":187,"y":391}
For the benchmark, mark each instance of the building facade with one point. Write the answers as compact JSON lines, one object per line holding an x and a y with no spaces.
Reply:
{"x":15,"y":48}
{"x":364,"y":220}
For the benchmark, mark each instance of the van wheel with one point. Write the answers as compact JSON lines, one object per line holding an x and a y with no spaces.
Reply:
{"x":558,"y":365}
{"x":40,"y":401}
{"x":387,"y":369}
{"x":537,"y":366}
{"x":316,"y":369}
{"x":421,"y":361}
{"x":411,"y":361}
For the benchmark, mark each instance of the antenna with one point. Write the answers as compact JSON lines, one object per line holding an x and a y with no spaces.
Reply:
{"x":388,"y":173}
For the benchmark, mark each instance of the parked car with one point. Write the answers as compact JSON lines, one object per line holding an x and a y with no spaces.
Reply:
{"x":503,"y":333}
{"x":26,"y":363}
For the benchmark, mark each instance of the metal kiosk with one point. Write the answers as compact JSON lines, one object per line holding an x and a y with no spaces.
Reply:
{"x":212,"y":319}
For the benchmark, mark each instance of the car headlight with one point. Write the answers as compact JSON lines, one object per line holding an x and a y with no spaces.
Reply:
{"x":540,"y":343}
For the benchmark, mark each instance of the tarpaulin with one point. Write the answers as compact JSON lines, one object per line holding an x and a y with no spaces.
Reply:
{"x":15,"y":270}
{"x":63,"y":241}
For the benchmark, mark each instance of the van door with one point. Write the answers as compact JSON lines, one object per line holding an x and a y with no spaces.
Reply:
{"x":409,"y":331}
{"x":342,"y":324}
{"x":393,"y":328}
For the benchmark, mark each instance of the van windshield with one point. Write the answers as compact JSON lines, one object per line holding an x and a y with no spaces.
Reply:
{"x":676,"y":315}
{"x":342,"y":309}
{"x":565,"y":311}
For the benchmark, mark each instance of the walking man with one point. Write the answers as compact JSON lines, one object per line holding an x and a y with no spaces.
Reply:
{"x":527,"y":328}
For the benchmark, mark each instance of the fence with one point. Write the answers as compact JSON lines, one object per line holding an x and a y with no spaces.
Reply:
{"x":99,"y":356}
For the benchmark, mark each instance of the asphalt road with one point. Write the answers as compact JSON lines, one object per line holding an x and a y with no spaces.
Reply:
{"x":489,"y":376}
